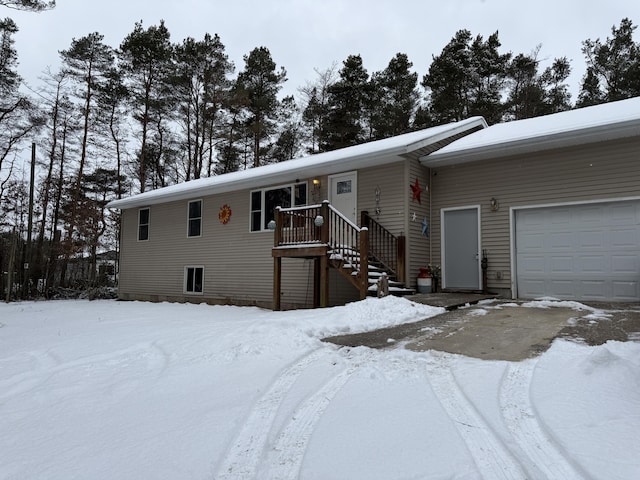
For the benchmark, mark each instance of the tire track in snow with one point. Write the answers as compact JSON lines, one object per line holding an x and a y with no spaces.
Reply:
{"x":520,"y":418}
{"x":292,"y":441}
{"x":493,"y":459}
{"x":242,"y":459}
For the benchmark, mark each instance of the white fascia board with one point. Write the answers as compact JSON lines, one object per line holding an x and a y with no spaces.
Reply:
{"x":365,"y":155}
{"x":550,"y":141}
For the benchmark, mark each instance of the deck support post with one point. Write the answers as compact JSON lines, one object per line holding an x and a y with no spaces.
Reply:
{"x":277,"y":282}
{"x":323,"y":278}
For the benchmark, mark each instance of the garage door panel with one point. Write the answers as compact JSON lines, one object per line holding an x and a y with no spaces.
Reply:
{"x":624,"y":264}
{"x":591,"y":239}
{"x":532,"y":264}
{"x":627,"y":237}
{"x":589,"y":252}
{"x":534,"y":241}
{"x":559,"y":264}
{"x":594,"y":289}
{"x":625,"y":291}
{"x":591,"y":216}
{"x":559,"y":241}
{"x":625,"y":214}
{"x":564,"y":288}
{"x":592,"y":264}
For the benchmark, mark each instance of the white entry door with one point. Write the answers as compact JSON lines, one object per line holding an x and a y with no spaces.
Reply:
{"x":461,"y":249}
{"x":343,"y":194}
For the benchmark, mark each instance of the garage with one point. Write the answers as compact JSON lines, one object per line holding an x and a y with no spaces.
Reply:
{"x":579,"y":252}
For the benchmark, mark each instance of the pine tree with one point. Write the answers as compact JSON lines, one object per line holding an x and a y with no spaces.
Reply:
{"x":260,"y":83}
{"x":315,"y":110}
{"x":467,"y":79}
{"x":395,"y":98}
{"x":146,"y":62}
{"x":19,"y":117}
{"x":28,"y":5}
{"x":289,"y":138}
{"x":613,"y":67}
{"x":531,"y":94}
{"x":347,"y":101}
{"x":202,"y":86}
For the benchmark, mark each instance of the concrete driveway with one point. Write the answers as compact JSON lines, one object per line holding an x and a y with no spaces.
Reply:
{"x":494,"y":329}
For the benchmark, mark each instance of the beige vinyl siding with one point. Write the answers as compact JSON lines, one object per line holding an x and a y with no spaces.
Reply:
{"x":238,"y":266}
{"x":390,"y":180}
{"x":606,"y":171}
{"x":417,"y":244}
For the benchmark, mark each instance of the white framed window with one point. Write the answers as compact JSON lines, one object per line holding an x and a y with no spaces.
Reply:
{"x":194,"y":222}
{"x":265,"y":201}
{"x":143,"y":224}
{"x":194,"y":280}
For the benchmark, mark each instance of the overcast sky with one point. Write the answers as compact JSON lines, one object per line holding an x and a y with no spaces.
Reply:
{"x":303,"y":35}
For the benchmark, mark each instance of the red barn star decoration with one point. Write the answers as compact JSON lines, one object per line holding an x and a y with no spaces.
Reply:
{"x":416,"y":190}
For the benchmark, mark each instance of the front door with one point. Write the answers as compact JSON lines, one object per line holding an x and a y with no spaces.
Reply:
{"x":342,"y":194}
{"x":461,"y":249}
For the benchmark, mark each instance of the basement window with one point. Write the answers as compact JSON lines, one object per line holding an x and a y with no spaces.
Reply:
{"x":194,"y":280}
{"x":264,"y":203}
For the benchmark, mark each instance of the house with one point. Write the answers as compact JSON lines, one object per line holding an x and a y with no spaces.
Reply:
{"x":208,"y":240}
{"x":553,"y":202}
{"x":543,"y":206}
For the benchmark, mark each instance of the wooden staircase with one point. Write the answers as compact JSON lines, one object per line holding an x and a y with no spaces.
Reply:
{"x":322,"y":233}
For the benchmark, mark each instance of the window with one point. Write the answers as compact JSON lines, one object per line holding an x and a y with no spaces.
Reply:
{"x":193,"y":280}
{"x":264,"y":203}
{"x":194,"y":228}
{"x":143,"y":224}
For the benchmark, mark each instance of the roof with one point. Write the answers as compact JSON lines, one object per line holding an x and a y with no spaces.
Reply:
{"x":371,"y":154}
{"x":608,"y":121}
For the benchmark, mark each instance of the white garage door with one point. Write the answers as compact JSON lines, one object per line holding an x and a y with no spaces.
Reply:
{"x":581,"y":252}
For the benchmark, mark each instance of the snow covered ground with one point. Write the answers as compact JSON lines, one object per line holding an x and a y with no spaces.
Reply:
{"x":116,"y":390}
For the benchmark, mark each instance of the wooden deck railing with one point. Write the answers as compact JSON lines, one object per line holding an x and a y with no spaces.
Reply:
{"x":303,"y":228}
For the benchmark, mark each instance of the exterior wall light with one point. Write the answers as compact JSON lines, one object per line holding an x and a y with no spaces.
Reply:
{"x":318,"y":221}
{"x":271,"y":225}
{"x":495,"y":206}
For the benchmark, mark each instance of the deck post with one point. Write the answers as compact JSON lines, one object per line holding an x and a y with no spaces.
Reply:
{"x":401,"y":259}
{"x":364,"y":262}
{"x":277,"y":281}
{"x":324,"y":230}
{"x":277,"y":261}
{"x":324,"y":280}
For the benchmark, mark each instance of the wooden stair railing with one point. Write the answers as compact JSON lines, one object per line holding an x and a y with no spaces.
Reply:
{"x":385,"y":248}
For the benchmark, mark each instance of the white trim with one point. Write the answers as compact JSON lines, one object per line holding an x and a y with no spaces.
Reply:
{"x":443,"y":245}
{"x":201,"y":216}
{"x":184,"y":284}
{"x":512,"y":227}
{"x":355,"y":188}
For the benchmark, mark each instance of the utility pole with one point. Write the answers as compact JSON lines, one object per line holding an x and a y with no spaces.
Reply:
{"x":27,"y":256}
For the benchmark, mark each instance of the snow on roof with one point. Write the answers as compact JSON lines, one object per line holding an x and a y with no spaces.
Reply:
{"x":369,"y":154}
{"x":574,"y":127}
